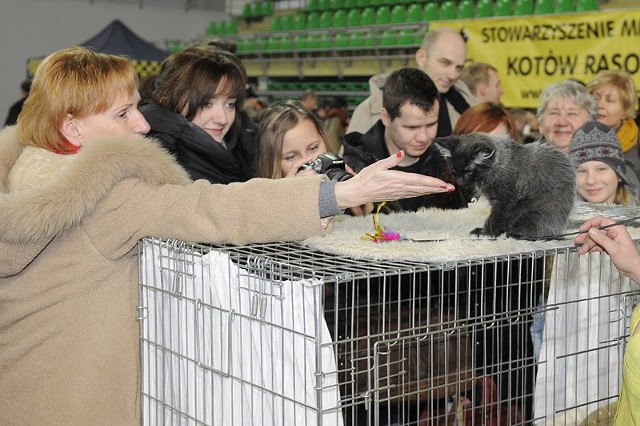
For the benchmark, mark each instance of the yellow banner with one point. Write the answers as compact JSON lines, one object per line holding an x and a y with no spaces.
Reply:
{"x":533,"y":51}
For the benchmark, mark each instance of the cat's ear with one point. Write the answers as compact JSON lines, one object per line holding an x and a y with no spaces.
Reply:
{"x":484,"y":155}
{"x":446,"y":145}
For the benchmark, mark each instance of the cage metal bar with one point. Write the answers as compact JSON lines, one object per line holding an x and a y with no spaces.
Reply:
{"x":411,"y":343}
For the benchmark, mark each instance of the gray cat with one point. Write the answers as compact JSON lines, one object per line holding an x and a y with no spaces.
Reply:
{"x":531,"y":188}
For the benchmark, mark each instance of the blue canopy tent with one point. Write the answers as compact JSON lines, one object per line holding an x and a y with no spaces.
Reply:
{"x":117,"y":39}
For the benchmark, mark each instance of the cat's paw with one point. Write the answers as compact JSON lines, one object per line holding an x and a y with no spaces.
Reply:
{"x":477,"y":232}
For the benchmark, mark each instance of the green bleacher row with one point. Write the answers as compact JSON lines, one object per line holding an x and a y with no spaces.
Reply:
{"x":354,"y":15}
{"x":329,"y":41}
{"x":352,"y":101}
{"x":322,"y":86}
{"x":301,"y":22}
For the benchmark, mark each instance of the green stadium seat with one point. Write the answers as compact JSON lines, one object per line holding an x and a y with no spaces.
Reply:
{"x":448,"y":9}
{"x":245,"y":45}
{"x":300,"y":21}
{"x":587,"y":5}
{"x":324,"y":41}
{"x":388,"y":38}
{"x":356,"y":39}
{"x":383,"y":15}
{"x":287,"y":23}
{"x":349,"y":4}
{"x":543,"y":6}
{"x":246,"y":11}
{"x":342,"y":40}
{"x":286,"y":43}
{"x":255,"y":10}
{"x":176,"y":46}
{"x":562,"y":6}
{"x":398,"y":14}
{"x":326,"y":19}
{"x":465,"y":9}
{"x":273,"y":43}
{"x":313,"y":41}
{"x":376,"y":3}
{"x":324,"y":5}
{"x":312,"y":5}
{"x":368,"y":16}
{"x":369,"y":39}
{"x":214,"y":28}
{"x":313,"y":20}
{"x":484,"y":8}
{"x":230,"y":27}
{"x":406,"y":37}
{"x":262,"y":43}
{"x":337,"y":4}
{"x":300,"y":41}
{"x":523,"y":8}
{"x":353,"y":18}
{"x":276,"y":24}
{"x":430,"y":12}
{"x":267,"y":8}
{"x":414,"y":13}
{"x":340,"y":18}
{"x":503,"y":8}
{"x":363,"y":3}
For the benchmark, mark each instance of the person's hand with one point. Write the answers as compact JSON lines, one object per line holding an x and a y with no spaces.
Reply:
{"x":614,"y":240}
{"x":377,"y":183}
{"x":295,"y":171}
{"x":362,"y":210}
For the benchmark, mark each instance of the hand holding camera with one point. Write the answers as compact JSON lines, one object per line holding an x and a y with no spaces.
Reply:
{"x":328,"y":164}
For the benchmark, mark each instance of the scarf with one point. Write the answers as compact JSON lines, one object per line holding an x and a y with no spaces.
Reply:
{"x":628,"y":135}
{"x":459,"y":104}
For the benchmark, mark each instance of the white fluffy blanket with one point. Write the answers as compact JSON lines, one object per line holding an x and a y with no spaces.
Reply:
{"x":451,"y":229}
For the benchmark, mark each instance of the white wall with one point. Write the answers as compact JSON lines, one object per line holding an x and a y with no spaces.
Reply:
{"x":39,"y":27}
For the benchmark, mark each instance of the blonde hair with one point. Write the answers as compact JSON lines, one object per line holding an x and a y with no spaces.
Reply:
{"x":623,"y":81}
{"x":75,"y":81}
{"x":475,"y":74}
{"x":623,"y":197}
{"x":275,"y":122}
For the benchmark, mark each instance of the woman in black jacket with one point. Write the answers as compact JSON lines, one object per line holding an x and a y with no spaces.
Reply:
{"x":195,"y":111}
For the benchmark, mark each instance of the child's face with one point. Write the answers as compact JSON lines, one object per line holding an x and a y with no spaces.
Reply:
{"x":597,"y":182}
{"x":301,"y":144}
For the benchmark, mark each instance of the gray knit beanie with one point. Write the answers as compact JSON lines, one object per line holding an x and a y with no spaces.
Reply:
{"x":595,"y":141}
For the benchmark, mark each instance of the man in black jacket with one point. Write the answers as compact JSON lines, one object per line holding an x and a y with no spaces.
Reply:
{"x":409,"y":122}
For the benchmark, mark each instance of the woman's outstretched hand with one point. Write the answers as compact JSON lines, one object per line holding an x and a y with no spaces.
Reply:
{"x":376,"y":183}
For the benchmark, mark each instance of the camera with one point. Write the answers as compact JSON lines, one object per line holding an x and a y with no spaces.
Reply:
{"x":328,"y":164}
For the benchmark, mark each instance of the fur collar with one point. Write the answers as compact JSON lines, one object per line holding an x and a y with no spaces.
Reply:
{"x":66,"y":190}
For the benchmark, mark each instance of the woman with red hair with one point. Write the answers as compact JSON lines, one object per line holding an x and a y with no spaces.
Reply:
{"x":487,"y":117}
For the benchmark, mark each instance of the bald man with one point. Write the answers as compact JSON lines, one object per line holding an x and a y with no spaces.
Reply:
{"x":441,"y":56}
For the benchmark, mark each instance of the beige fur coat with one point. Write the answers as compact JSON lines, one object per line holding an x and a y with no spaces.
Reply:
{"x":69,"y":226}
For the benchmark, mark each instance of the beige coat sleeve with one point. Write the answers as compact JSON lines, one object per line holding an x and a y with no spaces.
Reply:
{"x":260,"y":210}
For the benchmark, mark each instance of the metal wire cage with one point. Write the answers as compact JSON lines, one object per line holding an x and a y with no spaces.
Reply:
{"x":282,"y":334}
